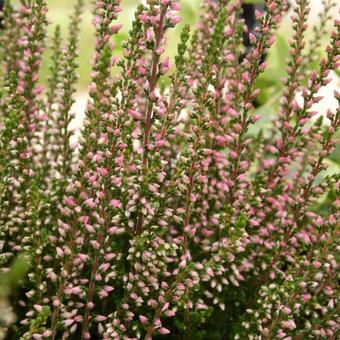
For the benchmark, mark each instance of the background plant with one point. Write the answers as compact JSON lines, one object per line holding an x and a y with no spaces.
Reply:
{"x":177,"y":214}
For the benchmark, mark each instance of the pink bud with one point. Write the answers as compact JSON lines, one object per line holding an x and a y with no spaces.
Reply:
{"x":252,"y":38}
{"x":115,"y":28}
{"x":165,"y":67}
{"x":258,"y":14}
{"x":135,"y":114}
{"x":69,"y":201}
{"x":170,"y":313}
{"x":68,"y":322}
{"x":116,"y":203}
{"x":176,"y":6}
{"x":150,"y":34}
{"x":47,"y":334}
{"x":289,"y":324}
{"x":175,"y":20}
{"x":100,"y":318}
{"x":164,"y":331}
{"x":60,"y":252}
{"x":143,"y":319}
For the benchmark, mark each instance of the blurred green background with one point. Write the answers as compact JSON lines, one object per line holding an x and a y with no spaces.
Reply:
{"x":60,"y":11}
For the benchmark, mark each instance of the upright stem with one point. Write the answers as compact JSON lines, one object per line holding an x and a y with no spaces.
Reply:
{"x":152,"y":87}
{"x":148,"y":116}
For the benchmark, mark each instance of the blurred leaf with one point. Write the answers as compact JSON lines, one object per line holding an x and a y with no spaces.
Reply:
{"x":266,"y":113}
{"x":335,"y":156}
{"x":276,"y":62}
{"x":188,"y":13}
{"x":333,"y":168}
{"x":255,"y":1}
{"x":281,"y":51}
{"x":17,"y":272}
{"x":119,"y":39}
{"x":265,"y":84}
{"x":270,"y":81}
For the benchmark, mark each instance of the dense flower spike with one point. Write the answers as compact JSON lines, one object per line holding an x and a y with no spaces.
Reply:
{"x":174,"y":217}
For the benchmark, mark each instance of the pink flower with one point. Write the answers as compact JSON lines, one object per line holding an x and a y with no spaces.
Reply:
{"x":289,"y":324}
{"x":170,"y":313}
{"x":60,"y":252}
{"x":135,"y":114}
{"x":233,"y":155}
{"x":38,"y":308}
{"x":150,"y":34}
{"x":165,"y":67}
{"x":162,"y":143}
{"x":174,"y":20}
{"x":97,"y":20}
{"x":116,"y":203}
{"x":115,"y":28}
{"x":317,"y":264}
{"x":307,"y":297}
{"x":120,"y":161}
{"x":304,"y":237}
{"x":47,"y":333}
{"x":68,"y":322}
{"x":100,"y":318}
{"x":103,"y":293}
{"x":69,"y":201}
{"x":90,"y":203}
{"x":164,"y":331}
{"x":52,"y":276}
{"x":84,"y":219}
{"x":176,"y":6}
{"x":252,"y":38}
{"x":143,"y":319}
{"x":144,"y":18}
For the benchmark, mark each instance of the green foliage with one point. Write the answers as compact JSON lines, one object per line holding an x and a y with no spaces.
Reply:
{"x":37,"y":325}
{"x":176,"y":213}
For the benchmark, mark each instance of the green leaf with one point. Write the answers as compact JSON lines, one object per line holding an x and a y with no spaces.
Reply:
{"x":276,"y":64}
{"x":280,"y":52}
{"x":335,"y":156}
{"x":270,"y":81}
{"x":18,"y":271}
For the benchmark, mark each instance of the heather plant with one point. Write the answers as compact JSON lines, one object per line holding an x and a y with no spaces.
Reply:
{"x":176,"y":214}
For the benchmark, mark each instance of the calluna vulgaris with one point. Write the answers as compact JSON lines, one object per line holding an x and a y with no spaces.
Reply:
{"x":174,"y":217}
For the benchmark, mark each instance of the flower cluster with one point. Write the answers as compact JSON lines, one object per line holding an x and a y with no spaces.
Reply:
{"x":178,"y":214}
